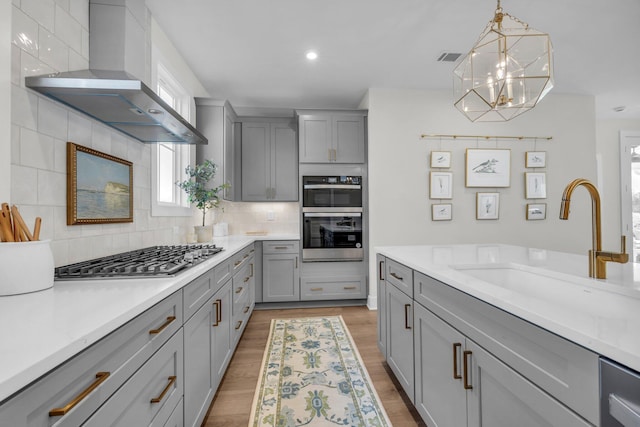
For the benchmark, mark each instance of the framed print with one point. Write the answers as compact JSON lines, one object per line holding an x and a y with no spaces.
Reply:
{"x":487,"y":167}
{"x":99,"y":187}
{"x":487,"y":205}
{"x":536,"y":211}
{"x":441,"y":159}
{"x":441,"y":212}
{"x":440,"y":185}
{"x":535,"y":185}
{"x":535,"y":159}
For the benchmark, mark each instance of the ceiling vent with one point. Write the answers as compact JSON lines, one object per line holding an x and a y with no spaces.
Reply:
{"x":449,"y":57}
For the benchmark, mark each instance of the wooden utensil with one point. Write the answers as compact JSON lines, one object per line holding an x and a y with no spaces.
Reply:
{"x":36,"y":228}
{"x":24,"y":233}
{"x":5,"y":224}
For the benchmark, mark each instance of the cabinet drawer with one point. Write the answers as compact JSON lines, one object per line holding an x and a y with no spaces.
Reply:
{"x":151,"y":394}
{"x":221,"y":273}
{"x":400,"y":276}
{"x":240,"y":259}
{"x":329,"y":288}
{"x":196,"y":293}
{"x":240,"y":318}
{"x":281,"y":247}
{"x":565,"y":370}
{"x":242,"y":283}
{"x":119,"y":354}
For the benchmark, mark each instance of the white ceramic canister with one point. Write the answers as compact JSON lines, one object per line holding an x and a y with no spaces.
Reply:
{"x":25,"y":267}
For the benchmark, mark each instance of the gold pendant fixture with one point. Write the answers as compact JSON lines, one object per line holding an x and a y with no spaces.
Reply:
{"x":506,"y":73}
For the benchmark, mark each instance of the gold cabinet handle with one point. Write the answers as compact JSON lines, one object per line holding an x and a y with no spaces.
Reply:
{"x":246,"y":309}
{"x":172,"y":381}
{"x":316,"y":289}
{"x":100,"y":378}
{"x":466,"y":369}
{"x":350,"y":288}
{"x":407,"y":307}
{"x":246,"y":279}
{"x":237,"y":263}
{"x":381,"y":270}
{"x":238,"y":324}
{"x":218,"y":304}
{"x":162,"y":327}
{"x":239,"y":290}
{"x":245,"y":256}
{"x":397,"y":277}
{"x":296,"y":262}
{"x":252,"y":272}
{"x":329,"y":153}
{"x":280,"y":247}
{"x":456,"y":347}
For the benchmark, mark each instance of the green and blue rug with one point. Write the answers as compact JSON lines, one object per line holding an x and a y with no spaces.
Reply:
{"x":312,"y":375}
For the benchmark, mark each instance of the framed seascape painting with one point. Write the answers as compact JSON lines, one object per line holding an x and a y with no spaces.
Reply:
{"x":488,"y":167}
{"x":99,"y":187}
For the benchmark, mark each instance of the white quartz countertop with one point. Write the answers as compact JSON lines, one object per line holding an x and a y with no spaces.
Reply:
{"x":547,"y":288}
{"x":43,"y":329}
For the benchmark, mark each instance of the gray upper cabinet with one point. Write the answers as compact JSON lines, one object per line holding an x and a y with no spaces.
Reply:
{"x":219,"y":123}
{"x":269,"y":161}
{"x":332,"y":136}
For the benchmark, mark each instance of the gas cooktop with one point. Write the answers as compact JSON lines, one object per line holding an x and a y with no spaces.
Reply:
{"x":154,"y":261}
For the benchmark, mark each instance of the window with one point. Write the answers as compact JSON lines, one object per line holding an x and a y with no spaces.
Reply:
{"x":630,"y":191}
{"x":170,"y":160}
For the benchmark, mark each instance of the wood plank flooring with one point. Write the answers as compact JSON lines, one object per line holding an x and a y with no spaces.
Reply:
{"x":232,"y":404}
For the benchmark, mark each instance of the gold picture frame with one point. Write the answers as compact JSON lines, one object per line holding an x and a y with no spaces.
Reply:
{"x":99,"y":187}
{"x":487,"y":167}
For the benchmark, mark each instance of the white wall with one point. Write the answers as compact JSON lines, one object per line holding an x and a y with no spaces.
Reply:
{"x":5,"y":101}
{"x":399,"y":202}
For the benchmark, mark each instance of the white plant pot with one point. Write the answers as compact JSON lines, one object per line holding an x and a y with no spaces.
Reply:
{"x":25,"y":267}
{"x":204,"y":233}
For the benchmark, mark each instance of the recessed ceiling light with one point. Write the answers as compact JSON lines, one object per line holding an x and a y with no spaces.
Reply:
{"x":312,"y":55}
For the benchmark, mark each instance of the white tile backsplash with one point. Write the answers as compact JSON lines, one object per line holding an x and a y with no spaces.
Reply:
{"x":68,"y":30}
{"x":43,"y":11}
{"x":80,"y":129}
{"x":24,"y":108}
{"x":31,"y":66}
{"x":53,"y":51}
{"x":52,"y":118}
{"x":24,"y":185}
{"x":36,"y":150}
{"x":24,"y":32}
{"x":52,"y":188}
{"x":79,"y":10}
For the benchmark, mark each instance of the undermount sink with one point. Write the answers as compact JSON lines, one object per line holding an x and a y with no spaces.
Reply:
{"x":513,"y":276}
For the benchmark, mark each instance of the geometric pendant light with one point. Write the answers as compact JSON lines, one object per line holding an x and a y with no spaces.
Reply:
{"x":506,"y":73}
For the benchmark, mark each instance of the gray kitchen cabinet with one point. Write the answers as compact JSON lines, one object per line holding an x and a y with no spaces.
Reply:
{"x":475,"y":364}
{"x":149,"y":397}
{"x":381,"y":312}
{"x":243,"y":296}
{"x":399,"y":314}
{"x":280,"y":271}
{"x":269,"y":161}
{"x":96,"y":373}
{"x":331,"y":136}
{"x":333,"y":287}
{"x":219,"y":123}
{"x":222,"y":339}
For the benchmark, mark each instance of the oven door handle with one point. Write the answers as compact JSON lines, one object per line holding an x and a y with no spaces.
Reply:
{"x":332,"y":186}
{"x":625,"y":412}
{"x":331,"y":214}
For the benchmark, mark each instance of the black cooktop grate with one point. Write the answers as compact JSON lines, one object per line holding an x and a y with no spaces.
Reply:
{"x":154,"y":261}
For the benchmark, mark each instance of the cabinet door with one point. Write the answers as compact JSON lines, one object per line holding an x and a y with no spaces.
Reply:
{"x":198,"y":370}
{"x":500,"y":397}
{"x":315,"y":138}
{"x":439,"y":390}
{"x":256,"y":159}
{"x":221,"y":341}
{"x":280,"y":278}
{"x":232,"y":161}
{"x":284,"y":163}
{"x":400,"y":338}
{"x":382,"y":309}
{"x":348,"y":138}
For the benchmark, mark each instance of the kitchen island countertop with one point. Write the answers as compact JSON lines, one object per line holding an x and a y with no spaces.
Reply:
{"x":43,"y":329}
{"x":600,"y":315}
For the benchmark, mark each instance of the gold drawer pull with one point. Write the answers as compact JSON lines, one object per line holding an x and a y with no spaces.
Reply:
{"x":397,"y":277}
{"x":407,"y":307}
{"x":316,"y":289}
{"x":246,"y":279}
{"x":163,"y":326}
{"x":246,"y":309}
{"x":239,"y":290}
{"x":172,"y":380}
{"x":252,"y":272}
{"x":100,"y":378}
{"x":217,"y":304}
{"x":245,"y":256}
{"x":350,"y":288}
{"x":456,"y":348}
{"x":280,"y":247}
{"x":239,"y":324}
{"x":465,"y":369}
{"x":237,"y":263}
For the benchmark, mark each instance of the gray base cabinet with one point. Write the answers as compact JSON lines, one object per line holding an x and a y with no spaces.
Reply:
{"x":382,"y":312}
{"x":280,"y":271}
{"x":476,"y":365}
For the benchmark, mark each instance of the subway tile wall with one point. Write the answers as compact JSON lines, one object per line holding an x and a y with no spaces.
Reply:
{"x":49,"y":36}
{"x":245,"y":217}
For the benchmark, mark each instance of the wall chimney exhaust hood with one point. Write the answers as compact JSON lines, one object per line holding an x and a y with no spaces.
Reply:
{"x":118,"y":100}
{"x":112,"y":89}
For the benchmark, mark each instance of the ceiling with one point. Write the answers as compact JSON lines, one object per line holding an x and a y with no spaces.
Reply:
{"x":252,"y":52}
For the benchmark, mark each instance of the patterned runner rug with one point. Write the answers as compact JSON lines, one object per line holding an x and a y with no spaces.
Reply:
{"x":312,"y":375}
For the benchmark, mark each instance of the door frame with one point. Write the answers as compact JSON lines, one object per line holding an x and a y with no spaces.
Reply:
{"x":628,"y":139}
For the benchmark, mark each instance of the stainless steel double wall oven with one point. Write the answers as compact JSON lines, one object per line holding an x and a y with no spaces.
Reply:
{"x":332,"y":218}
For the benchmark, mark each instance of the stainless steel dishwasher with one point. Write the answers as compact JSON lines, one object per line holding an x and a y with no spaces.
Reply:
{"x":619,"y":395}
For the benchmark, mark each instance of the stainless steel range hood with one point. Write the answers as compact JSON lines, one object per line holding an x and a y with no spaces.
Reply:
{"x":111,"y":91}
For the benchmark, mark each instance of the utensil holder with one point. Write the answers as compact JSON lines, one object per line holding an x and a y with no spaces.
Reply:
{"x":25,"y":267}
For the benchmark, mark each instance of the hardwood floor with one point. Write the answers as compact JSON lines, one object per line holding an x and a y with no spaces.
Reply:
{"x":232,"y":404}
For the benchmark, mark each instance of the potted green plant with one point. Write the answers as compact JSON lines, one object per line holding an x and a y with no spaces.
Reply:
{"x":202,"y":197}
